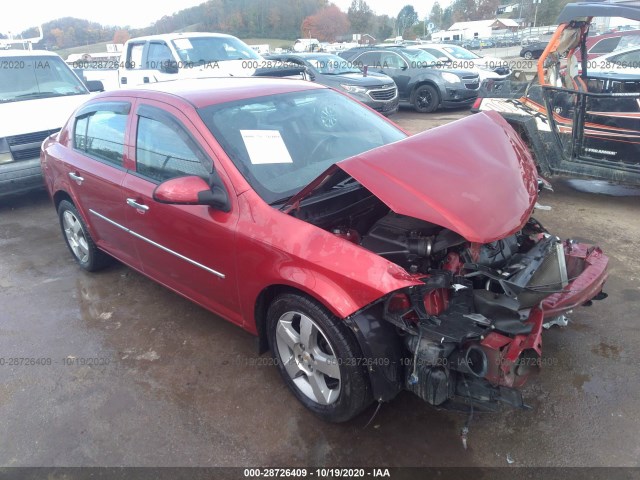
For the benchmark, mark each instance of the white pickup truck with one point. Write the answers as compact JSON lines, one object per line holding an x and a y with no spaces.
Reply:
{"x":172,"y":56}
{"x":38,"y":92}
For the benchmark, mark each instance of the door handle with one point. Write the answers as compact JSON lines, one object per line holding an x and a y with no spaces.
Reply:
{"x":76,"y":178}
{"x":145,"y":79}
{"x":123,"y":80}
{"x":138,"y":206}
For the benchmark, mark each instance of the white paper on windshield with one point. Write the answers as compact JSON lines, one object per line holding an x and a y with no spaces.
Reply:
{"x":183,"y":44}
{"x":265,"y":146}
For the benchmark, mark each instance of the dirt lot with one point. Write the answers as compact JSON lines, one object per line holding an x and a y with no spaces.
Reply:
{"x":132,"y":374}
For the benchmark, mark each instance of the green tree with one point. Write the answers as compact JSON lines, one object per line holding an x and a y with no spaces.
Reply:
{"x":407,"y":18}
{"x":447,"y":17}
{"x":436,"y":14}
{"x":361,"y":16}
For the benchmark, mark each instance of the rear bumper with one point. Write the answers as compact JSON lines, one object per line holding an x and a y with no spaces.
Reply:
{"x":20,"y":177}
{"x":587,"y":272}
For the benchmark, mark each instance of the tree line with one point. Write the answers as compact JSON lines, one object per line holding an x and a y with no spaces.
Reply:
{"x":288,"y":19}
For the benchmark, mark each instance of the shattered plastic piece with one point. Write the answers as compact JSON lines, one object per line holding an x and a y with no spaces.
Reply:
{"x":542,"y":207}
{"x":478,"y":318}
{"x":463,"y":436}
{"x":510,"y":460}
{"x":560,"y":320}
{"x":457,"y":286}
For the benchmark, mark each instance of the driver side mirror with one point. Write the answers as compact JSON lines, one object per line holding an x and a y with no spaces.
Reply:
{"x":309,"y":74}
{"x":94,"y":85}
{"x":193,"y":190}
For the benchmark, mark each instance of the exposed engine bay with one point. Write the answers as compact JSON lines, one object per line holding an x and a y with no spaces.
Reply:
{"x":471,"y":331}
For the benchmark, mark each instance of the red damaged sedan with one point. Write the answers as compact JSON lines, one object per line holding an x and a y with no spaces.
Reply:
{"x":367,"y":261}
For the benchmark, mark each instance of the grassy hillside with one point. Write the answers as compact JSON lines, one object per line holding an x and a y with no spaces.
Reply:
{"x":273,"y":42}
{"x":93,"y":48}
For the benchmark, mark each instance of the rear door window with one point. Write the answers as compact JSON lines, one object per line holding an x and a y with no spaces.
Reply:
{"x":100,"y":132}
{"x":371,"y":59}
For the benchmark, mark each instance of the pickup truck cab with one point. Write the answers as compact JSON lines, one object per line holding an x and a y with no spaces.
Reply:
{"x":173,"y":56}
{"x":38,"y":92}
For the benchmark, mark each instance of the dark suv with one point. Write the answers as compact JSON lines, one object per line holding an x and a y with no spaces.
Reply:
{"x":420,"y":78}
{"x":375,"y":90}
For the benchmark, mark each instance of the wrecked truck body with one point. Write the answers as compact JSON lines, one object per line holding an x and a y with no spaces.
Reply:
{"x":579,"y":115}
{"x":368,"y":262}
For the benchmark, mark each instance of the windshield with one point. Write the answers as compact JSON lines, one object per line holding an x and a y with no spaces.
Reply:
{"x":202,"y":50}
{"x":280,"y":143}
{"x":420,"y":56}
{"x":25,"y":78}
{"x":332,"y":65}
{"x":460,"y":53}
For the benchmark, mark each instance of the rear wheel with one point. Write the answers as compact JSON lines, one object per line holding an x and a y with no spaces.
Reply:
{"x":528,"y":55}
{"x":318,"y":358}
{"x":77,"y":237}
{"x":426,"y":99}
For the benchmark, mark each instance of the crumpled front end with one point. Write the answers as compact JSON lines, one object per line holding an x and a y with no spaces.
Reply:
{"x":471,"y":332}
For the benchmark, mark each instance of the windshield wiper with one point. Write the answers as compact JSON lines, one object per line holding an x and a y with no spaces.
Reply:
{"x":47,"y":94}
{"x":280,"y":200}
{"x":37,"y":94}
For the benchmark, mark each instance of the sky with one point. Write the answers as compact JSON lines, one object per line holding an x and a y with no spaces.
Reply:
{"x":18,"y":16}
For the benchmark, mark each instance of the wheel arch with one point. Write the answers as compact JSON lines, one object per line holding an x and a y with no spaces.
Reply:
{"x":421,"y":82}
{"x":376,"y":339}
{"x":59,"y":196}
{"x":268,"y":294}
{"x":261,"y":305}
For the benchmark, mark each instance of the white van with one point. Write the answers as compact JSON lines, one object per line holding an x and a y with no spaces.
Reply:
{"x":38,"y":92}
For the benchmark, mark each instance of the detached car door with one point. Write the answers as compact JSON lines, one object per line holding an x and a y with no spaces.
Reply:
{"x":188,"y":248}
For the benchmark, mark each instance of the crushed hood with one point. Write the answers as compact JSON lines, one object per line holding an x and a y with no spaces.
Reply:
{"x":474,"y":176}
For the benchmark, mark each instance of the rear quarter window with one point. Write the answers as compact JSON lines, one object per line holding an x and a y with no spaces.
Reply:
{"x":606,"y":45}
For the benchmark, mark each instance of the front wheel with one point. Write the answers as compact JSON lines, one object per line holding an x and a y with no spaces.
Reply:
{"x":318,"y":358}
{"x":78,"y":239}
{"x":426,"y":99}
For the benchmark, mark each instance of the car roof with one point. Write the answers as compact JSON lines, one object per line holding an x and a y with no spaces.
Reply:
{"x":625,"y":8}
{"x":201,"y":92}
{"x":174,"y":36}
{"x":27,"y":53}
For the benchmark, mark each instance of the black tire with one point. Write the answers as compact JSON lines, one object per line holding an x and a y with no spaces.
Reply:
{"x":426,"y":99}
{"x":528,"y":55}
{"x":330,"y":347}
{"x":77,"y":237}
